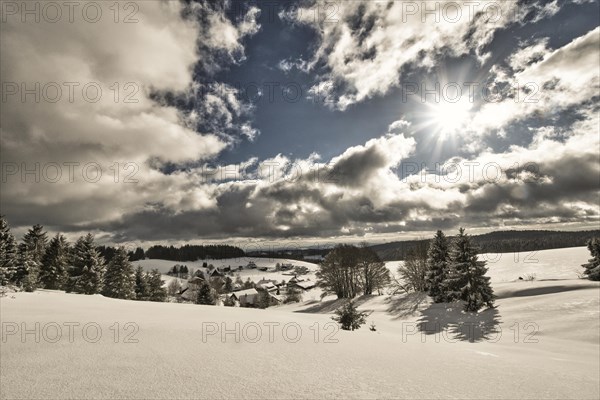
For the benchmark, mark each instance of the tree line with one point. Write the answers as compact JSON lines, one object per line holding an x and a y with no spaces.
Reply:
{"x":56,"y":264}
{"x":194,"y":252}
{"x":173,"y":253}
{"x":498,"y":242}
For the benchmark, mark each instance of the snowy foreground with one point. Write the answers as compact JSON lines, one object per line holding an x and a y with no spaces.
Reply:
{"x":542,"y":341}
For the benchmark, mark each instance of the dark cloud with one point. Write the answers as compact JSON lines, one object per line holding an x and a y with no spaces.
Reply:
{"x":572,"y":178}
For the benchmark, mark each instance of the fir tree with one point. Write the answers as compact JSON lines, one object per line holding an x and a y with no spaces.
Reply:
{"x":53,"y":270}
{"x":437,"y":267}
{"x":592,"y":268}
{"x":205,"y":295}
{"x":292,"y":295}
{"x":264,"y":299}
{"x":31,"y":253}
{"x":156,"y":292}
{"x":467,"y":280}
{"x":249,"y":284}
{"x":228,"y":287}
{"x":229,"y":301}
{"x":36,"y":241}
{"x":27,"y":269}
{"x":87,"y":270}
{"x":138,"y":254}
{"x":8,"y":253}
{"x":349,"y":317}
{"x":119,"y":279}
{"x":141,"y":284}
{"x":185,"y":271}
{"x":238,"y":283}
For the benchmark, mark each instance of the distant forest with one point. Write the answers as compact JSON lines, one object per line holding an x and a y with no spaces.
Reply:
{"x":183,"y":253}
{"x":499,"y":242}
{"x":194,"y":252}
{"x":494,"y":242}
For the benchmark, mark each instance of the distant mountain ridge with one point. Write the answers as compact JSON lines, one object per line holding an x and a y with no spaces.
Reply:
{"x":500,"y":242}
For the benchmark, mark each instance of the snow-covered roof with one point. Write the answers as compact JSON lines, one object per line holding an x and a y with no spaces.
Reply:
{"x":240,"y":293}
{"x":305,"y":284}
{"x":298,"y":279}
{"x":195,"y":280}
{"x":276,"y":297}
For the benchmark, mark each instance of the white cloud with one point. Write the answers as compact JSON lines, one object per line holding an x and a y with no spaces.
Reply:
{"x":365,"y":44}
{"x":563,"y":78}
{"x":398,"y":126}
{"x":529,"y":54}
{"x":129,"y":59}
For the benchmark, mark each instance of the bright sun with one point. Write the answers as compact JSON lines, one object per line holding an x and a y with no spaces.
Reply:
{"x":450,"y":117}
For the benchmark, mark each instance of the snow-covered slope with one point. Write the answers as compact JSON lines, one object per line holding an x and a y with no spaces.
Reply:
{"x":541,"y":341}
{"x":544,"y":264}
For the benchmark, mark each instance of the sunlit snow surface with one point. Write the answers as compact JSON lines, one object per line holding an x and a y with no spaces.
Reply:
{"x":541,"y":341}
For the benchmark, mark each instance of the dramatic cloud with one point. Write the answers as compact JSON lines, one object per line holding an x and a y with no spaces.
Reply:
{"x":364,"y":45}
{"x":136,"y":131}
{"x":562,"y":78}
{"x":78,"y":109}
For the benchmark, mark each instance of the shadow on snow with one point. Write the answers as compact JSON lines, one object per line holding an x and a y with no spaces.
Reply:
{"x":330,"y":306}
{"x":449,"y":318}
{"x":406,"y":305}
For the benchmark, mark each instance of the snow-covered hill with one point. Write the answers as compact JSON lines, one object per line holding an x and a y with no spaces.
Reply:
{"x":541,"y":341}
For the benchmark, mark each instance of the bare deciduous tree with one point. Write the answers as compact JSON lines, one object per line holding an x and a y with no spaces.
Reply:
{"x":349,"y":271}
{"x":413,"y":271}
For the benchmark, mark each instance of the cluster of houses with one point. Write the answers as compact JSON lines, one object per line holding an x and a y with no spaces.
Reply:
{"x":249,"y":297}
{"x":246,"y":297}
{"x":222,"y":270}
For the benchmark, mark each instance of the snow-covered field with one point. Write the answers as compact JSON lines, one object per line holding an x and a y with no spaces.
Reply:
{"x":541,"y":341}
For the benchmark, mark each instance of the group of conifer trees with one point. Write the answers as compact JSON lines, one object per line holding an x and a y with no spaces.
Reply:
{"x":454,"y":273}
{"x":37,"y":262}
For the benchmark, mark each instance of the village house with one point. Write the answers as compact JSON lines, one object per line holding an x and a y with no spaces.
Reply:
{"x":214,"y":272}
{"x":304,"y":285}
{"x":301,"y":283}
{"x":275,"y":299}
{"x":297,"y":278}
{"x":190,"y":292}
{"x":286,"y":267}
{"x":269,"y":285}
{"x":246,"y":298}
{"x":224,"y":269}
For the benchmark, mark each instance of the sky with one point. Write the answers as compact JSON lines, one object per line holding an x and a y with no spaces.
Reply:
{"x":302,"y":123}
